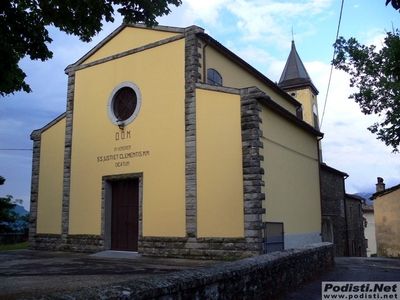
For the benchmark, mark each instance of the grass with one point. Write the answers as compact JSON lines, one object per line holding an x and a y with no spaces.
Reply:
{"x":23,"y":245}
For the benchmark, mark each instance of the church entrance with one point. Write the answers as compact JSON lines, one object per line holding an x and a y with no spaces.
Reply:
{"x":125,"y":215}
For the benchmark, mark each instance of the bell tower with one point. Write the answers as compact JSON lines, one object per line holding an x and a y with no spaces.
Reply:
{"x":297,"y":83}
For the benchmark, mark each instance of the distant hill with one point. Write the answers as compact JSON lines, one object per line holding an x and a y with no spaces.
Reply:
{"x":20,"y":210}
{"x":366,"y":196}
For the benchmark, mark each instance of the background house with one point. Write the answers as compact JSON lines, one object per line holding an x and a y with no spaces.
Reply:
{"x":369,"y":228}
{"x":333,"y":212}
{"x":171,"y":145}
{"x":355,"y":225}
{"x":387,"y":219}
{"x":341,"y":214}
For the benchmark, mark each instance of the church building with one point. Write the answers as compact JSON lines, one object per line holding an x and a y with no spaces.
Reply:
{"x":171,"y":145}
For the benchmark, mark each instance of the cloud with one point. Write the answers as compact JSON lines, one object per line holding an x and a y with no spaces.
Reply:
{"x":206,"y":10}
{"x":374,"y":36}
{"x":255,"y":20}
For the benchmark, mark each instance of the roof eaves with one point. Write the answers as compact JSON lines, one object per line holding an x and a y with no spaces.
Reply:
{"x":325,"y":166}
{"x":50,"y":124}
{"x":294,"y":84}
{"x":268,"y":102}
{"x":355,"y":197}
{"x":95,"y":48}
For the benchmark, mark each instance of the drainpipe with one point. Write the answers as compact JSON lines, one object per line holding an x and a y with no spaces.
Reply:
{"x":319,"y":169}
{"x":320,"y":181}
{"x":345,"y":217}
{"x":204,"y":61}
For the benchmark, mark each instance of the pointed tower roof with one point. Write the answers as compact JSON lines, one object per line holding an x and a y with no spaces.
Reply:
{"x":294,"y":74}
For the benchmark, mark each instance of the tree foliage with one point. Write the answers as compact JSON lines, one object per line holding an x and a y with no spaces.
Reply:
{"x":10,"y":221}
{"x":23,"y":28}
{"x":376,"y":75}
{"x":7,"y":214}
{"x":395,"y":3}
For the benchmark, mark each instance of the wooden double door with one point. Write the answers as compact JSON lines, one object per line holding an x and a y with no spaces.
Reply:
{"x":125,"y":215}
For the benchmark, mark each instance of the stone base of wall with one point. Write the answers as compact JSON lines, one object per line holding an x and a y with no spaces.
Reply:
{"x":199,"y":248}
{"x":74,"y":243}
{"x":85,"y":243}
{"x":267,"y":276}
{"x":50,"y":242}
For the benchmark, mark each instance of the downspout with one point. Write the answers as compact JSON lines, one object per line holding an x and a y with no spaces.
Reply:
{"x":320,"y":181}
{"x":345,"y":216}
{"x":204,"y":61}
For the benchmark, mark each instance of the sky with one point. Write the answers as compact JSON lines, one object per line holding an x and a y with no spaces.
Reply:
{"x":260,"y":32}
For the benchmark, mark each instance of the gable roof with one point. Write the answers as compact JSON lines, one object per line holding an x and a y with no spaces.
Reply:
{"x":294,"y":74}
{"x":103,"y":42}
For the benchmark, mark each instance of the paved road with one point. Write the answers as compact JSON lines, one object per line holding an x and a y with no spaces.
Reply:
{"x":351,"y":269}
{"x":25,"y":273}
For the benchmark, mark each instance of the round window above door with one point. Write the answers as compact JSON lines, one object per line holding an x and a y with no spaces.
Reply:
{"x":124,"y":103}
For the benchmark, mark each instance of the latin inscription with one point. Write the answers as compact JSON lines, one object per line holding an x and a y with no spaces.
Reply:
{"x":122,"y":135}
{"x":122,"y":155}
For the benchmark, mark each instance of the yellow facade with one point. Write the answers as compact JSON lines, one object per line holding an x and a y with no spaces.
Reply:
{"x":193,"y":147}
{"x":158,"y":131}
{"x":219,"y":165}
{"x":129,"y":38}
{"x":51,"y":179}
{"x":308,"y":100}
{"x":234,"y":75}
{"x":291,"y":169}
{"x":387,"y":224}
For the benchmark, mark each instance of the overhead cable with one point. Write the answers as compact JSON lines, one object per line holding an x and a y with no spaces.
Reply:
{"x":333,"y":57}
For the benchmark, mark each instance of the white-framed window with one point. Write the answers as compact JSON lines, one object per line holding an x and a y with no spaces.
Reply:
{"x":124,"y":103}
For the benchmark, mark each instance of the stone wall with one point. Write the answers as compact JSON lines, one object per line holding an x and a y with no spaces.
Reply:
{"x":73,"y":242}
{"x":333,"y":199}
{"x":355,"y":226}
{"x":197,"y":248}
{"x":262,"y":277}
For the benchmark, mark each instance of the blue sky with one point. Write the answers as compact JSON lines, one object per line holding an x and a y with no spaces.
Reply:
{"x":259,"y":31}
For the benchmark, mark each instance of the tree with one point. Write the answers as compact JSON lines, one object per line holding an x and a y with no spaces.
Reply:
{"x":376,"y":74}
{"x":395,"y":3}
{"x":7,"y":214}
{"x":23,"y":29}
{"x":10,"y":221}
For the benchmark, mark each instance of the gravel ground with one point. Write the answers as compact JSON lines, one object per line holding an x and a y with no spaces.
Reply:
{"x":26,"y":273}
